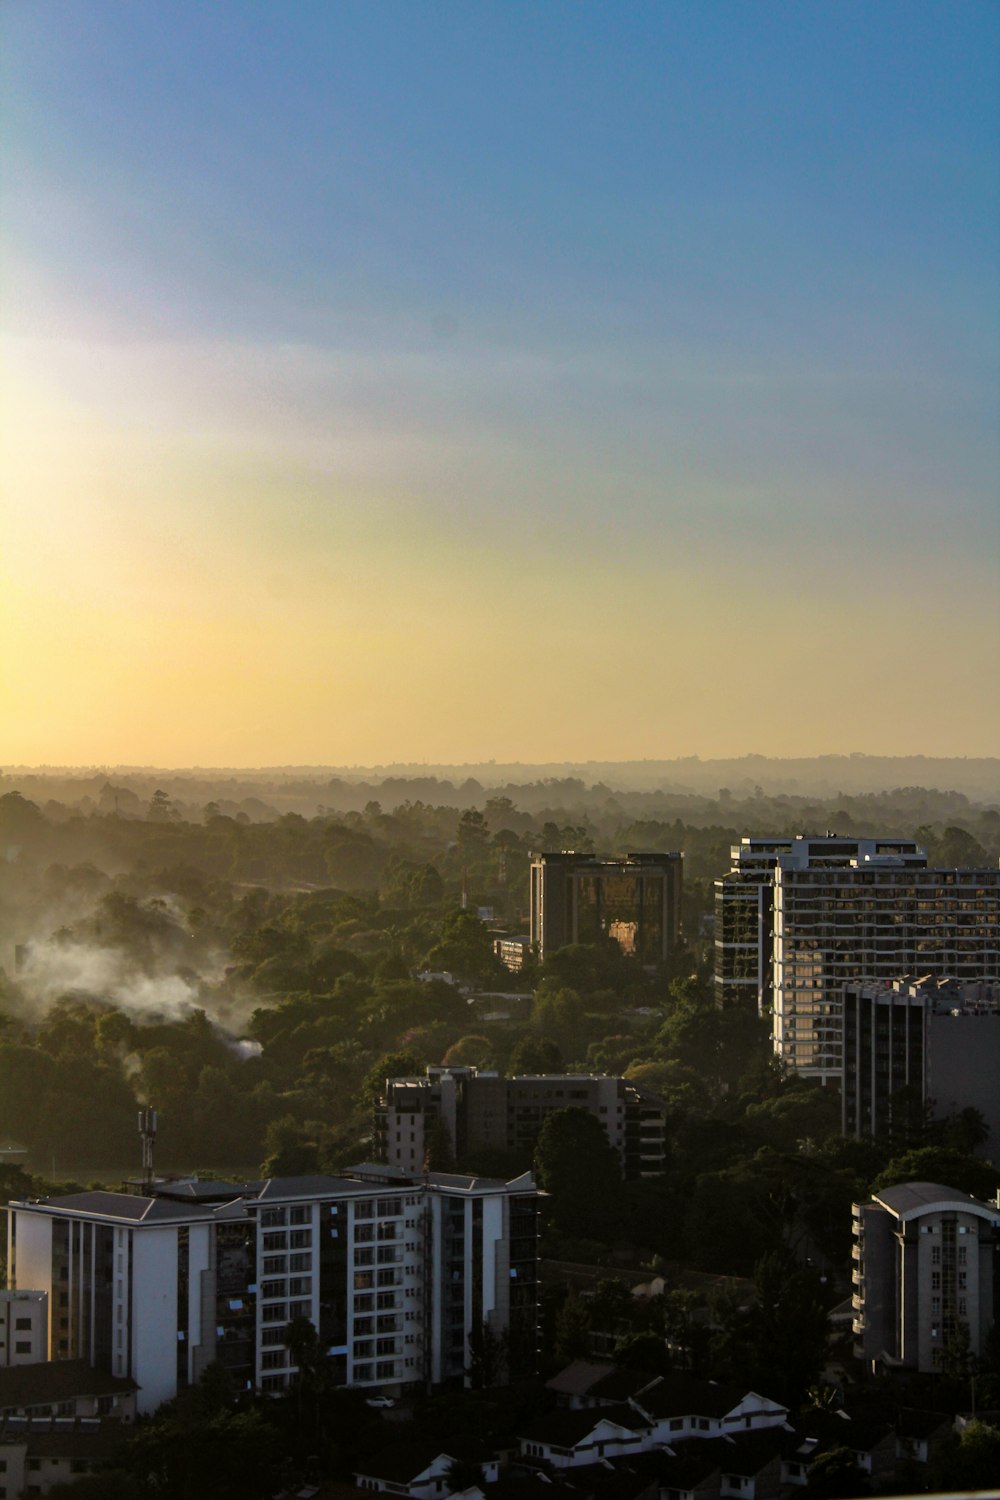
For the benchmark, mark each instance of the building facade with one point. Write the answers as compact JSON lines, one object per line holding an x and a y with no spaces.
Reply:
{"x":486,"y":1112}
{"x":577,"y":898}
{"x":829,"y":910}
{"x":24,"y":1328}
{"x":396,"y":1271}
{"x":937,"y":1039}
{"x":926,"y":1260}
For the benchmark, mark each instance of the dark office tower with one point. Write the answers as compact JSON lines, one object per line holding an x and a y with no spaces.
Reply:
{"x":576,"y":898}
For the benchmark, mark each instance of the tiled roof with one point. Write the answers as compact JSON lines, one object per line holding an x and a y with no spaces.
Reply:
{"x":401,"y":1463}
{"x":565,"y":1429}
{"x":579,"y":1378}
{"x":681,"y":1395}
{"x":57,"y":1380}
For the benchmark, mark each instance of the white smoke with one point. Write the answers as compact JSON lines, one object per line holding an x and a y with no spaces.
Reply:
{"x":51,"y":970}
{"x":245,"y":1048}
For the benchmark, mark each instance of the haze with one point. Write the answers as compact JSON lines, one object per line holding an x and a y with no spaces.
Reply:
{"x":448,"y":383}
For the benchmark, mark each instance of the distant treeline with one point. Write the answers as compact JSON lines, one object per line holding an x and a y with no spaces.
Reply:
{"x":307,"y":789}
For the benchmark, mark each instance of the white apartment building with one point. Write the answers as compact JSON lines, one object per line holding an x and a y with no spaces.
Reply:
{"x":394,"y":1270}
{"x":925,"y":1260}
{"x":828,"y":910}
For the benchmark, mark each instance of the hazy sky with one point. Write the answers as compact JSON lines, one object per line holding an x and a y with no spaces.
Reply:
{"x":406,"y":380}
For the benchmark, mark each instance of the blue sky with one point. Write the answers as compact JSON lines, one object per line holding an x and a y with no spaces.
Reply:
{"x":452,"y":317}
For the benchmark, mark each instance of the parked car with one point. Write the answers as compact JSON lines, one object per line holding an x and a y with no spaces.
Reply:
{"x":380,"y":1401}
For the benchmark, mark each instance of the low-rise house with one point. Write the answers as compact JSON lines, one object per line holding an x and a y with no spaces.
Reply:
{"x":421,"y":1470}
{"x":66,"y":1388}
{"x":920,"y":1434}
{"x":679,"y":1406}
{"x":39,"y":1452}
{"x":586,"y":1384}
{"x":566,"y":1439}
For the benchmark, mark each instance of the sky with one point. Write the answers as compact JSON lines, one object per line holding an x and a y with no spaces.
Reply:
{"x":454,"y":381}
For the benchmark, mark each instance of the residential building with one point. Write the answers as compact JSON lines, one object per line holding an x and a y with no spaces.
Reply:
{"x":514,"y":952}
{"x":937,"y":1037}
{"x":396,"y":1271}
{"x":484,"y":1111}
{"x":926,"y":1260}
{"x":57,"y":1422}
{"x":24,"y":1328}
{"x":743,"y":926}
{"x":578,"y":898}
{"x":830,"y":909}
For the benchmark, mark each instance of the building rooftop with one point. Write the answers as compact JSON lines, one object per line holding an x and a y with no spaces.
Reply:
{"x":909,"y":1199}
{"x":564,"y":1429}
{"x":55,"y":1381}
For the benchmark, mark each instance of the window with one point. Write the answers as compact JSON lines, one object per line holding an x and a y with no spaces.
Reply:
{"x":300,"y":1215}
{"x":22,"y":1325}
{"x":936,"y":1281}
{"x":300,"y":1239}
{"x":273,"y":1359}
{"x":22,"y":1346}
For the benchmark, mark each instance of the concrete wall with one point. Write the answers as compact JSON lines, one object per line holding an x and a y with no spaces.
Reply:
{"x":154,"y":1315}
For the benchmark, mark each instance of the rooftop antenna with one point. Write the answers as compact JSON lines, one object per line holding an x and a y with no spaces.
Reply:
{"x":147,"y":1134}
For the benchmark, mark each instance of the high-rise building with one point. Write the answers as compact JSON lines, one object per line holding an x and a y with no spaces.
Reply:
{"x":577,"y":898}
{"x":835,"y":909}
{"x":485,"y":1112}
{"x":395,"y":1270}
{"x":743,"y":911}
{"x":937,"y":1039}
{"x":926,"y":1260}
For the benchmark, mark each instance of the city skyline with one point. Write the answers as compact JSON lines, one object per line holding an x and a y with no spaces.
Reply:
{"x":444,"y":384}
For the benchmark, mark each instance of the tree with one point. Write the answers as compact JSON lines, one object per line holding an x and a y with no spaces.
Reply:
{"x":643,"y":1351}
{"x":970,"y":1461}
{"x":579,"y":1169}
{"x":488,"y":1358}
{"x":404,"y":1064}
{"x":473,"y":1051}
{"x":572,"y":1330}
{"x":779,"y":1343}
{"x":940,"y":1164}
{"x":835,"y":1475}
{"x":291,"y":1150}
{"x":534,"y":1054}
{"x":439,"y":1152}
